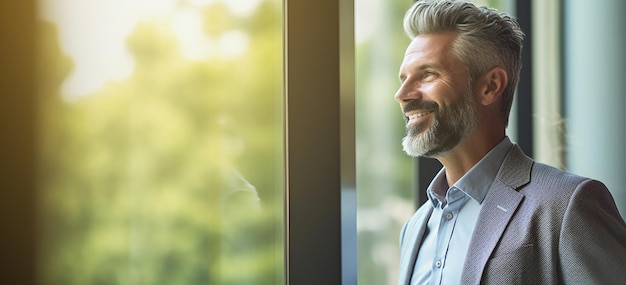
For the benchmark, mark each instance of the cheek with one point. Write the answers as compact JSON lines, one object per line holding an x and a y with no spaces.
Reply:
{"x":445,"y":93}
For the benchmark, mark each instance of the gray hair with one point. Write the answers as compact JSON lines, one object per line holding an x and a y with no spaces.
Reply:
{"x":485,"y":39}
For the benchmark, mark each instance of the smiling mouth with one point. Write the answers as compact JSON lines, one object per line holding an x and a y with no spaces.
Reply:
{"x":420,"y":114}
{"x":417,"y":115}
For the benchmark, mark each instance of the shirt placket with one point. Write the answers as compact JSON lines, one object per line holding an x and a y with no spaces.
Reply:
{"x":449,"y":213}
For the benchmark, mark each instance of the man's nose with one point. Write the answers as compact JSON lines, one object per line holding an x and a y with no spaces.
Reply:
{"x":407,"y":92}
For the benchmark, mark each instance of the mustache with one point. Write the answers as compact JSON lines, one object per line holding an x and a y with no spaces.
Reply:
{"x":420,"y":105}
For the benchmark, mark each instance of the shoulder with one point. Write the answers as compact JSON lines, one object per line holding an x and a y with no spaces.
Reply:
{"x":565,"y":196}
{"x":557,"y":189}
{"x":419,"y":217}
{"x":416,"y":223}
{"x":522,"y":173}
{"x":543,"y":186}
{"x":549,"y":177}
{"x":423,"y":212}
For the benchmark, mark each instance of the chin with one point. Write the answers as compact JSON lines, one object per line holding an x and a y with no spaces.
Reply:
{"x":426,"y":145}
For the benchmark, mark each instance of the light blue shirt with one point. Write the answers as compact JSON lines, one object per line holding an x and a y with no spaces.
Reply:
{"x":442,"y":254}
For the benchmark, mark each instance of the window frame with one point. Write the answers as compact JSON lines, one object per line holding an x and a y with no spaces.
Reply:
{"x":18,"y":208}
{"x":319,"y":138}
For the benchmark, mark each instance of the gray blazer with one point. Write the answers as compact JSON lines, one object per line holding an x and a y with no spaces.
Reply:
{"x":537,"y":225}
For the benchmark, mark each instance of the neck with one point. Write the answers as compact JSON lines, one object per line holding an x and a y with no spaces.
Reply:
{"x":468,"y":153}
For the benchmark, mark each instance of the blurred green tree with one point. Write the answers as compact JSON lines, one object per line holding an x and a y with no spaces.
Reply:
{"x":172,"y":175}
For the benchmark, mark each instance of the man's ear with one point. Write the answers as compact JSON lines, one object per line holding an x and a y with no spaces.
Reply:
{"x":492,"y":85}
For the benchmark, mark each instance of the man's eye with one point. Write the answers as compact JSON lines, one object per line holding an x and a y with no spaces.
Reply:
{"x":429,"y":75}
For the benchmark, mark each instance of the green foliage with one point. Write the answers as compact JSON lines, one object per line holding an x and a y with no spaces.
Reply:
{"x":136,"y":177}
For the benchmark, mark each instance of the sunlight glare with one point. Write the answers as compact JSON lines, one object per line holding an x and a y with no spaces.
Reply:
{"x":187,"y":26}
{"x":233,"y":43}
{"x":93,"y":34}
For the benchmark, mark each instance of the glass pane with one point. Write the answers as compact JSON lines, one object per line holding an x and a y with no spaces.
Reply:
{"x":385,"y":185}
{"x":161,"y":142}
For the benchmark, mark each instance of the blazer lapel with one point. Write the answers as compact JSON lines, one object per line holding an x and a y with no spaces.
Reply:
{"x":412,"y":240}
{"x":501,"y":202}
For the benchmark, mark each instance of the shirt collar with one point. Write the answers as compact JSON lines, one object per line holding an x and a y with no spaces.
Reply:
{"x":477,"y":181}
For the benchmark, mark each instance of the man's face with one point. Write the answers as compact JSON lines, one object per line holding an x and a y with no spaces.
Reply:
{"x":435,"y":96}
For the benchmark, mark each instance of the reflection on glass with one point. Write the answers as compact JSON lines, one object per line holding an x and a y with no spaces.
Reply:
{"x":161,"y":141}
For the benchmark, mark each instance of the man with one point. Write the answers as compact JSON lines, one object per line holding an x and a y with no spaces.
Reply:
{"x":494,"y":216}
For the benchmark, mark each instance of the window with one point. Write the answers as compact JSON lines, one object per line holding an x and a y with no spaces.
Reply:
{"x":296,"y":135}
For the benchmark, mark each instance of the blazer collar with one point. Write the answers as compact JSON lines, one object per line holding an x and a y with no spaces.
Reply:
{"x":516,"y":167}
{"x":501,"y":202}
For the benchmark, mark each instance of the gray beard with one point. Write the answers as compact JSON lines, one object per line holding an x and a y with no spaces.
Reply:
{"x":448,"y":128}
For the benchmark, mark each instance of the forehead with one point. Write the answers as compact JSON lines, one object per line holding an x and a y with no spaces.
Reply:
{"x":431,"y":49}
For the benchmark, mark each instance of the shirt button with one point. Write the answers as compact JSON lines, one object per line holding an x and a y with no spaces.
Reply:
{"x":449,"y":216}
{"x":438,"y":263}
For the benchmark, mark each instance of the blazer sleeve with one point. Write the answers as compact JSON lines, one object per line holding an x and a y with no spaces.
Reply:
{"x":592,"y":244}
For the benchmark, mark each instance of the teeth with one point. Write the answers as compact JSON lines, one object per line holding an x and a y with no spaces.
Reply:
{"x":417,"y":115}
